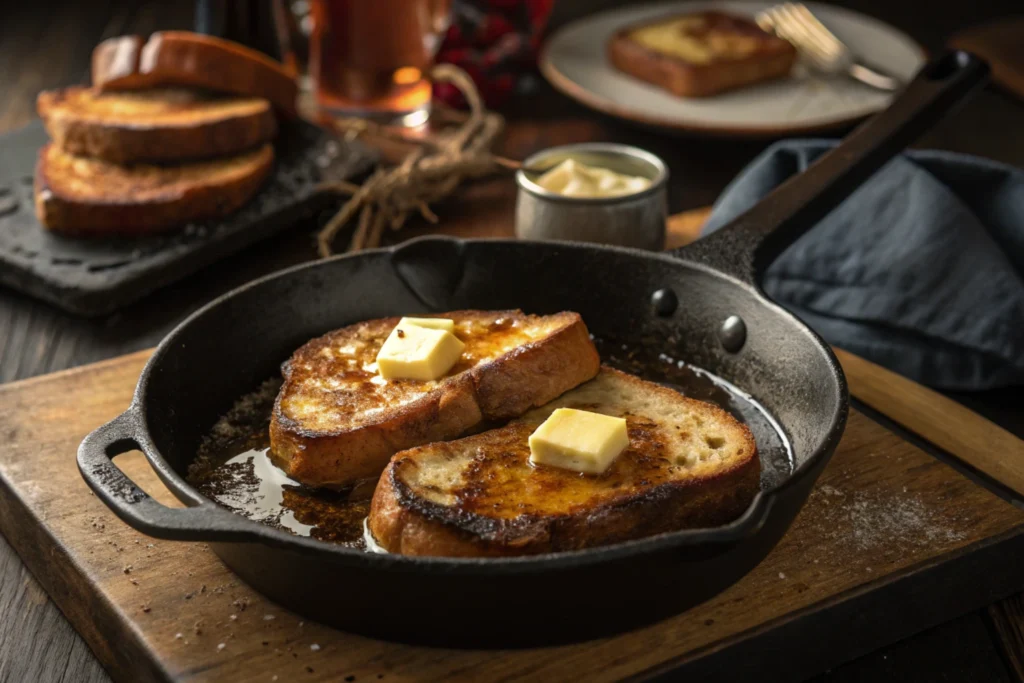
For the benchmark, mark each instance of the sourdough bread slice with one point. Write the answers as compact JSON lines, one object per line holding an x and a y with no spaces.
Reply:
{"x":336,"y":421}
{"x":688,"y":464}
{"x":700,"y":54}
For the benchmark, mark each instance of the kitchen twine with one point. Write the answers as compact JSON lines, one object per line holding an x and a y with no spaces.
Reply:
{"x":431,"y":172}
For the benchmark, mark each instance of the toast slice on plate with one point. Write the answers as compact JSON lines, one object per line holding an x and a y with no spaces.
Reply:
{"x":336,"y":421}
{"x":89,"y":197}
{"x":193,"y":60}
{"x":158,"y":125}
{"x":689,"y":464}
{"x":700,"y":54}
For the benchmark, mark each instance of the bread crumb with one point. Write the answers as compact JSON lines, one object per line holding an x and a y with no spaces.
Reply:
{"x":233,"y":617}
{"x":146,"y":608}
{"x":269,"y":617}
{"x":178,"y":636}
{"x":782,"y":575}
{"x":314,"y":647}
{"x":220,"y":646}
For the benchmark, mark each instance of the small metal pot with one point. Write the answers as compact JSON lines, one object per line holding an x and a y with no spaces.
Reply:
{"x":632,"y":220}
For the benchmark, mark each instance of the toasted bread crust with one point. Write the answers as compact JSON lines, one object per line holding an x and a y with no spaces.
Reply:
{"x":191,"y":59}
{"x":88,"y":197}
{"x":153,"y":126}
{"x":530,"y":375}
{"x":489,"y":517}
{"x":773,"y":58}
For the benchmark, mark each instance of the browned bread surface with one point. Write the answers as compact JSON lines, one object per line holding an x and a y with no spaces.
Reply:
{"x":89,"y":197}
{"x":191,"y":59}
{"x":336,"y":421}
{"x":162,"y":124}
{"x":700,"y":54}
{"x":688,"y":464}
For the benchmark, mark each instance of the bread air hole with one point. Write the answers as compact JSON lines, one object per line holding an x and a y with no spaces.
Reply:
{"x":715,"y":442}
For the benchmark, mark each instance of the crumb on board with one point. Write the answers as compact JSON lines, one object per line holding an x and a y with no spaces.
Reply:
{"x":315,"y":647}
{"x":220,"y":646}
{"x":146,"y":609}
{"x":269,"y":617}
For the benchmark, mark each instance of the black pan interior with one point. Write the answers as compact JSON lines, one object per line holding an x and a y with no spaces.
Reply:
{"x":239,"y":342}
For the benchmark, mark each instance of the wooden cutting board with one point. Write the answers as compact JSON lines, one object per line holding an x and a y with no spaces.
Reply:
{"x":891,"y":542}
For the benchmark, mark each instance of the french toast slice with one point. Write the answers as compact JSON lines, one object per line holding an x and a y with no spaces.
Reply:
{"x":335,"y":421}
{"x":158,"y":125}
{"x":89,"y":197}
{"x":689,"y":464}
{"x":194,"y":60}
{"x":700,"y":54}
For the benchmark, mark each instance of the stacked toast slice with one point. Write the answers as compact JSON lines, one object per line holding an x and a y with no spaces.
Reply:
{"x":176,"y":128}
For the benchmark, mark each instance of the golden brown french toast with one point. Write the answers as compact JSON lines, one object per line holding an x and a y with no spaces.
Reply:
{"x":336,"y":421}
{"x":157,"y":125}
{"x":193,"y":60}
{"x":689,"y":464}
{"x":700,"y":54}
{"x":88,"y":197}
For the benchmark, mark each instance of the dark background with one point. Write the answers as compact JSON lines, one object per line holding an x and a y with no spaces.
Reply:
{"x":46,"y":43}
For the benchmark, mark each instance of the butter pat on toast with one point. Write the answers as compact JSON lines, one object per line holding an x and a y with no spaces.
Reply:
{"x":194,"y":60}
{"x":688,"y":464}
{"x":336,"y":421}
{"x":701,"y":54}
{"x":82,"y":196}
{"x":157,"y":125}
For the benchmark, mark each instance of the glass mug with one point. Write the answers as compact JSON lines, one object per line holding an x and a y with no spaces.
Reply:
{"x":372,"y":58}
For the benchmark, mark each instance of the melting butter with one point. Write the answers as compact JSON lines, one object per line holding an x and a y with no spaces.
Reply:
{"x":264,"y":502}
{"x":574,"y":179}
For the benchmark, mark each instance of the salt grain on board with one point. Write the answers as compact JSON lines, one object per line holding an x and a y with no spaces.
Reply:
{"x":867,"y":521}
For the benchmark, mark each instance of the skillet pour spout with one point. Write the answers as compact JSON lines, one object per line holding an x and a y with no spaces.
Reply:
{"x":701,"y":304}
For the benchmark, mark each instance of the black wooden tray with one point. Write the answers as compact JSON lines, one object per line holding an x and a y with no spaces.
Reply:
{"x":92,"y":277}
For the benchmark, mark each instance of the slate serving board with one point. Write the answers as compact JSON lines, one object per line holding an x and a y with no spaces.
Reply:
{"x":93,"y":277}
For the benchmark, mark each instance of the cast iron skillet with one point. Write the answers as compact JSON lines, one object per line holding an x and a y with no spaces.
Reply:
{"x":681,"y":299}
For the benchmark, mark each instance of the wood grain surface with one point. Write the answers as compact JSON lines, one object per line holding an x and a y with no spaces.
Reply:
{"x":46,"y":43}
{"x":886,"y":526}
{"x":975,"y":441}
{"x":998,"y":43}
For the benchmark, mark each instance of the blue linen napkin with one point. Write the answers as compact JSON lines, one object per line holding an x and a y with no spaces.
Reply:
{"x":921,"y":270}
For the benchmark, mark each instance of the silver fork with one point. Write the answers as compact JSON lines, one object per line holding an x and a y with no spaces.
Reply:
{"x":820,"y":47}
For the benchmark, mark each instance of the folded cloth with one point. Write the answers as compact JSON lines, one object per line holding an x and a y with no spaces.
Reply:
{"x":921,"y":270}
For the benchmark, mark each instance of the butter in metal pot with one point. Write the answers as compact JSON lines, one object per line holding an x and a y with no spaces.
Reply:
{"x":574,"y":179}
{"x":579,"y":440}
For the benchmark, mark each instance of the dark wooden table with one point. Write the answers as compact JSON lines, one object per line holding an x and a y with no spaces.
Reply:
{"x":47,"y":43}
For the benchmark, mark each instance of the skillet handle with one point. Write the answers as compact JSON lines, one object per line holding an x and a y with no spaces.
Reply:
{"x":204,"y":521}
{"x":751,"y":241}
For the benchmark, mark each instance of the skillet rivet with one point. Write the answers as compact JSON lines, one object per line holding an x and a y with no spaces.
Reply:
{"x":664,"y":301}
{"x":733,"y":333}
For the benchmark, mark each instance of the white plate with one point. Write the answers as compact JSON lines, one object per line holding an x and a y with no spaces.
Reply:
{"x":575,"y":61}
